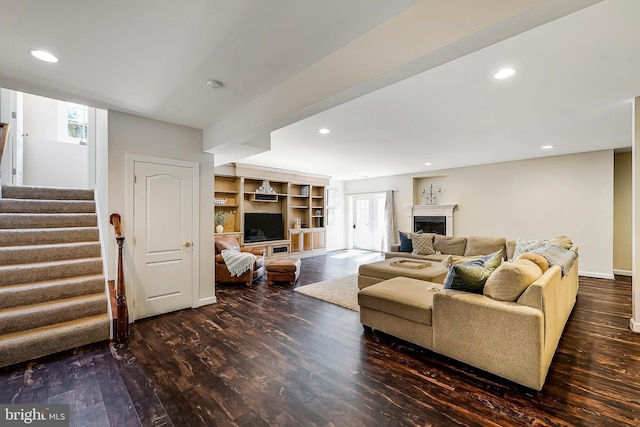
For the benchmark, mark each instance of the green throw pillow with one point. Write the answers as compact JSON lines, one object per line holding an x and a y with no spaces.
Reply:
{"x":471,"y":276}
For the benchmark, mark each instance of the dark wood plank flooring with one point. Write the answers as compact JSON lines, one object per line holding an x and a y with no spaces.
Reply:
{"x":265,"y":355}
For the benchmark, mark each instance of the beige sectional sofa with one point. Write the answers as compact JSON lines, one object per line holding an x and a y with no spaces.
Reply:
{"x":514,"y":339}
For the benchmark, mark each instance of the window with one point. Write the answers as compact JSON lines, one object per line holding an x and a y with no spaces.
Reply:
{"x":77,"y":121}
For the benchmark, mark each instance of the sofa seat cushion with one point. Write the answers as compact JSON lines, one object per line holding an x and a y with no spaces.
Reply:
{"x":403,"y":297}
{"x":511,"y":279}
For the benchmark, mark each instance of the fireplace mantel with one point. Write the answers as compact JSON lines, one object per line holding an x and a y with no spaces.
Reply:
{"x":436,"y":210}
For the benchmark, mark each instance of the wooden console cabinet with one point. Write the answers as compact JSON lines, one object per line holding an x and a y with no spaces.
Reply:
{"x":300,"y":198}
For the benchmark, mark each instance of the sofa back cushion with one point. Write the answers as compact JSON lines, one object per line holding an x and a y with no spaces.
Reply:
{"x":484,"y":245}
{"x":226,"y":243}
{"x":450,"y":245}
{"x":511,"y":279}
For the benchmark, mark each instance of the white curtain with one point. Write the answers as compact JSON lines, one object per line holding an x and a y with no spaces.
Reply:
{"x":390,"y":218}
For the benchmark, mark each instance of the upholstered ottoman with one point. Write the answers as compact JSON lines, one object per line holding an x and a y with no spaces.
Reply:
{"x":401,"y":307}
{"x":283,"y":270}
{"x":375,"y":272}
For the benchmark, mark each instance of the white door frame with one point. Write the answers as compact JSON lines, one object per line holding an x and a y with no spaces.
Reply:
{"x":129,"y":233}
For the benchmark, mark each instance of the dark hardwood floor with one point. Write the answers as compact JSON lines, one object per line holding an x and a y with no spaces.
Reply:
{"x":265,"y":355}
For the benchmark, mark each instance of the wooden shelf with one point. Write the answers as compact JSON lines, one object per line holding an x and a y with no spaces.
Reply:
{"x":293,"y":198}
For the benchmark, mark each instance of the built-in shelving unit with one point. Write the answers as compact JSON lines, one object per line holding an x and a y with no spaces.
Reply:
{"x":300,"y":198}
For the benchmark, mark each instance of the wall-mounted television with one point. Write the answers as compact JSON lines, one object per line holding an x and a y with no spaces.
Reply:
{"x":260,"y":227}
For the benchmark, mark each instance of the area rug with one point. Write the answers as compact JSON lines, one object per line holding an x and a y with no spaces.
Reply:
{"x":342,"y":291}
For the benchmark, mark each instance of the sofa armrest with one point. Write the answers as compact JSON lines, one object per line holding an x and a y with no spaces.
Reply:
{"x":256,"y":251}
{"x":504,"y":338}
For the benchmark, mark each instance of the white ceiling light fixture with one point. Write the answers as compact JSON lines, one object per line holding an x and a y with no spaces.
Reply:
{"x":427,"y":164}
{"x":548,"y":147}
{"x":43,"y":55}
{"x":504,"y":73}
{"x":214,"y":84}
{"x":324,"y":131}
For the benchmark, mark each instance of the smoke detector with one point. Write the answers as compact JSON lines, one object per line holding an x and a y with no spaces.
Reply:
{"x":214,"y":84}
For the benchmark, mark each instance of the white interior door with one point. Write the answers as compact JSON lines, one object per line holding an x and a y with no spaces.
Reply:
{"x":164,"y":235}
{"x":18,"y":150}
{"x":12,"y":160}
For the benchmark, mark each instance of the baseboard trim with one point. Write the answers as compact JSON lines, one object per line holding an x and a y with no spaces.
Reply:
{"x":623,"y":273}
{"x":596,"y":275}
{"x":207,"y":301}
{"x":634,"y":326}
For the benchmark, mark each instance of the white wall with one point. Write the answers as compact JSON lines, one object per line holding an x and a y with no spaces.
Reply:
{"x":538,"y":198}
{"x":336,"y":228}
{"x":50,"y":163}
{"x":138,"y":135}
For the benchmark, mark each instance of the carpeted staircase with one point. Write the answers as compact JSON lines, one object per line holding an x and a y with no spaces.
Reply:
{"x":52,"y":290}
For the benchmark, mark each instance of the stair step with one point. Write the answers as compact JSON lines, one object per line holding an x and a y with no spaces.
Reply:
{"x":42,"y":253}
{"x":41,"y":271}
{"x":49,"y":290}
{"x":45,"y":193}
{"x":32,"y":220}
{"x":26,"y":345}
{"x":34,"y":236}
{"x":37,"y":315}
{"x":46,"y":206}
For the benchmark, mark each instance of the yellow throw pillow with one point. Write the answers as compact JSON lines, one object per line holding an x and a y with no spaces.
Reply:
{"x":537,"y":259}
{"x":511,"y":279}
{"x":562,"y":241}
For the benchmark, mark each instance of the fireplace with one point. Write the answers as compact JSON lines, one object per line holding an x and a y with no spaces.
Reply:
{"x":434,"y":218}
{"x":430,"y":224}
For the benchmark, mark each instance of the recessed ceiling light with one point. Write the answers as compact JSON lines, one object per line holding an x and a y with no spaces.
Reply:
{"x":324,"y":131}
{"x":504,"y":73}
{"x":44,"y":55}
{"x":547,"y":147}
{"x":428,"y":164}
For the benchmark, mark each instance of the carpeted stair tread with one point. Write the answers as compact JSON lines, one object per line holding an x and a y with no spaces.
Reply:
{"x":49,"y":290}
{"x":35,"y":236}
{"x":40,"y":271}
{"x":25,"y":345}
{"x":47,"y":206}
{"x":45,"y":193}
{"x":33,"y":220}
{"x":37,"y":315}
{"x":52,"y":290}
{"x":52,"y":252}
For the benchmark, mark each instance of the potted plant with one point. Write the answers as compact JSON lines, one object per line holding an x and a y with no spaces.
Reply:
{"x":220,"y":217}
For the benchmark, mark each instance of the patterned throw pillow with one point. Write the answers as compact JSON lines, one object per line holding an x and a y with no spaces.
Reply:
{"x":523,"y":246}
{"x":422,"y":244}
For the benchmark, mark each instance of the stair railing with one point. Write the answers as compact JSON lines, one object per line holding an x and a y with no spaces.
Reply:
{"x":4,"y":134}
{"x":122,"y":323}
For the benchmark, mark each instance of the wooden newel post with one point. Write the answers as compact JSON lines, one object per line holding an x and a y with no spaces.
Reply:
{"x":122,"y":323}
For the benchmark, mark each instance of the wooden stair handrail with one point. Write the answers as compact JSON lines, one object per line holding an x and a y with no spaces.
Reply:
{"x":122,"y":323}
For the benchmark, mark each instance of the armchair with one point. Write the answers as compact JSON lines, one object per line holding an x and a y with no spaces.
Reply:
{"x":222,"y":273}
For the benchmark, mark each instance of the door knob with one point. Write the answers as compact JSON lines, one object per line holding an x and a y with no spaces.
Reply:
{"x":186,"y":244}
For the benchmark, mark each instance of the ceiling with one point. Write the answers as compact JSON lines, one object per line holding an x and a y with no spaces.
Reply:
{"x":576,"y":77}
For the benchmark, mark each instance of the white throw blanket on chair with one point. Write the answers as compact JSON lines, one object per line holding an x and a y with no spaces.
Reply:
{"x":238,"y":262}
